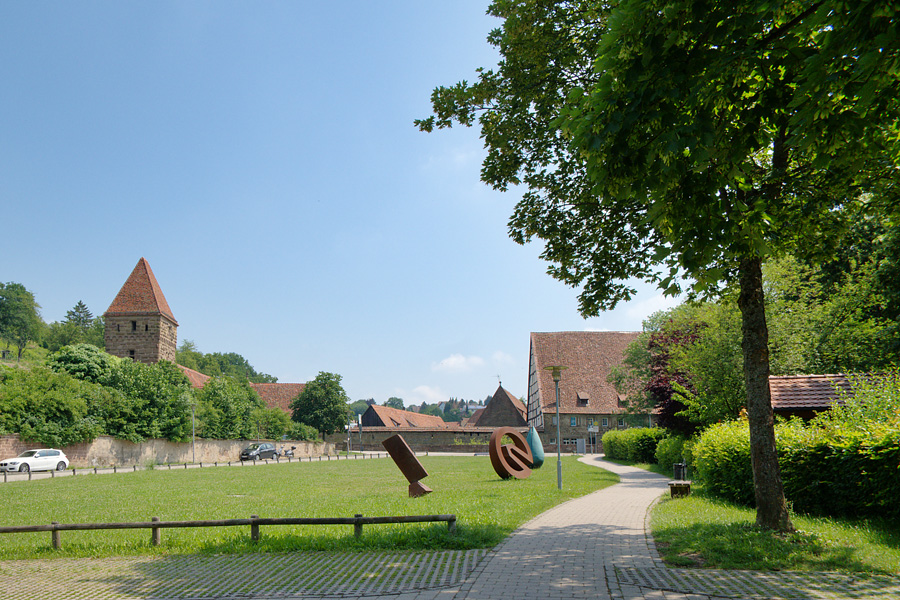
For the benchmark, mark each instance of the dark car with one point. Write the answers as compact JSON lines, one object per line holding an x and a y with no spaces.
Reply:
{"x":257,"y":451}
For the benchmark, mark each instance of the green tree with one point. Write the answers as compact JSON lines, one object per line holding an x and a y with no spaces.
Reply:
{"x":228,"y":409}
{"x":698,"y":143}
{"x":322,"y":404}
{"x":20,"y":319}
{"x":80,"y":316}
{"x":358,"y":407}
{"x":217,"y":363}
{"x":49,"y":408}
{"x":84,"y":361}
{"x":79,"y":326}
{"x":159,"y":399}
{"x":394,"y":402}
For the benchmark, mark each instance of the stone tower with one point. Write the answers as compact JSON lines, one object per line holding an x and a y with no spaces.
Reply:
{"x":139,"y":322}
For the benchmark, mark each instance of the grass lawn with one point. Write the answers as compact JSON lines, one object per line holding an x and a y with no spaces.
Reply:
{"x":487,"y":508}
{"x":700,"y":531}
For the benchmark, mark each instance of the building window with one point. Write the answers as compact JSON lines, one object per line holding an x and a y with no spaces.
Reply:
{"x":554,"y":420}
{"x":131,"y":354}
{"x":573,"y":421}
{"x":569,"y":441}
{"x":146,"y":327}
{"x":621,"y":422}
{"x":134,"y":325}
{"x":590,"y":421}
{"x":605,"y":422}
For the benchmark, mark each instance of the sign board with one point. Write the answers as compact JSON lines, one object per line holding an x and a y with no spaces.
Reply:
{"x":593,"y":429}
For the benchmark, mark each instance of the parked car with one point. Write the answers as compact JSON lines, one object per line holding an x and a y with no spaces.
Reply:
{"x":44,"y":459}
{"x":257,"y":451}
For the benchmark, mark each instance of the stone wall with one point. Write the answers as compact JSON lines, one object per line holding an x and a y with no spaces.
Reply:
{"x":106,"y":451}
{"x":466,"y":439}
{"x":152,"y":338}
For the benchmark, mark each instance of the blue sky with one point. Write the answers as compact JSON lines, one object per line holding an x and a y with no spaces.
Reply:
{"x":262,"y":157}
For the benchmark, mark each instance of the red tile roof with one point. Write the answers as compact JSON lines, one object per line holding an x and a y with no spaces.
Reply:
{"x":273,"y":395}
{"x":141,"y":294}
{"x":385,"y":416}
{"x":278,"y":395}
{"x":588,"y":356}
{"x":806,"y":392}
{"x":197,"y":379}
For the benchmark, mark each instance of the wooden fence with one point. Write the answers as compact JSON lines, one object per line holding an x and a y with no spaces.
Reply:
{"x":155,"y":525}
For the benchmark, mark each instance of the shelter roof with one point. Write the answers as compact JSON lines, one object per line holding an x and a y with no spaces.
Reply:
{"x":807,"y":392}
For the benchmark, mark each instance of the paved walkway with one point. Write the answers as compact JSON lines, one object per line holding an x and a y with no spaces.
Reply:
{"x":592,"y":547}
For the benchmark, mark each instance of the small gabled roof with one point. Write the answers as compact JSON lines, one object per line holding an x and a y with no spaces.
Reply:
{"x":141,"y":294}
{"x":502,"y":410}
{"x":807,"y":392}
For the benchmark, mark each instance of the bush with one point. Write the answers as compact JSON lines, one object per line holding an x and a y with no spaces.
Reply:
{"x":722,"y":461}
{"x":843,"y":463}
{"x":635,"y":445}
{"x":83,"y":361}
{"x":669,"y":451}
{"x":48,"y":408}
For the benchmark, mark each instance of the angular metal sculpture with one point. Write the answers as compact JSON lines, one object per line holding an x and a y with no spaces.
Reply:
{"x":408,"y":464}
{"x":510,"y":460}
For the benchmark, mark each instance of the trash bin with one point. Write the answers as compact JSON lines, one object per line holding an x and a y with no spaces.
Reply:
{"x":680,"y":470}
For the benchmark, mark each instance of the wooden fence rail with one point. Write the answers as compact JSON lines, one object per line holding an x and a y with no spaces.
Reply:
{"x":254,"y":522}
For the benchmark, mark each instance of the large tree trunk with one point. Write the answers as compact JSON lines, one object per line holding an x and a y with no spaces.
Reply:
{"x":771,"y":507}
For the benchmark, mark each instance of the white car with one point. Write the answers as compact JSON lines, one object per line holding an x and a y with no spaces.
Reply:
{"x":45,"y":459}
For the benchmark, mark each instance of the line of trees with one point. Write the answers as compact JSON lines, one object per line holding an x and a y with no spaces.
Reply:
{"x":687,"y":143}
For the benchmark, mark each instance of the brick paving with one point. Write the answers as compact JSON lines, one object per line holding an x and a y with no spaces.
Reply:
{"x":594,"y":547}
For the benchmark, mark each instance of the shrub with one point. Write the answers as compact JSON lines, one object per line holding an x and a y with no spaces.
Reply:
{"x":636,"y":444}
{"x":722,"y":461}
{"x":669,"y":451}
{"x":83,"y":361}
{"x":48,"y":408}
{"x":843,"y":463}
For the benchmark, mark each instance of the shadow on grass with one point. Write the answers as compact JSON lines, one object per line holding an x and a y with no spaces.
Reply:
{"x":745,"y":546}
{"x":433,"y":537}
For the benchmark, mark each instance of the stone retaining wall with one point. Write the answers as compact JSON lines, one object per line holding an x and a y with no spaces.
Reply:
{"x":107,"y":451}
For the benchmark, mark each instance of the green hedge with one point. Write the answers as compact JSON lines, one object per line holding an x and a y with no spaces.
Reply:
{"x":636,"y":445}
{"x":840,"y":473}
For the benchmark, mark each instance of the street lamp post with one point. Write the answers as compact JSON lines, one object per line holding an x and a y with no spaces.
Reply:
{"x":193,"y":435}
{"x":557,"y":374}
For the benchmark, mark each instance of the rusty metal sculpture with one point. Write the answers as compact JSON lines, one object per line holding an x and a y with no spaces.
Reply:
{"x":510,"y":460}
{"x":408,"y":464}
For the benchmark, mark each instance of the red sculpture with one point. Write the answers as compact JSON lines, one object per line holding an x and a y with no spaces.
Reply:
{"x":409,"y":465}
{"x":510,"y":460}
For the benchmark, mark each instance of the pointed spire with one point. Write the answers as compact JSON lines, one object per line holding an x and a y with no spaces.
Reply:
{"x":141,"y":294}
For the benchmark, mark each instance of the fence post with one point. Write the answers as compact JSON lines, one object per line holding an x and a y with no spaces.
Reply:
{"x":254,"y":529}
{"x":52,"y":474}
{"x":95,"y":470}
{"x":114,"y":469}
{"x":55,"y":537}
{"x":154,"y":533}
{"x":29,"y":475}
{"x":451,"y":525}
{"x":357,"y":527}
{"x":135,"y":468}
